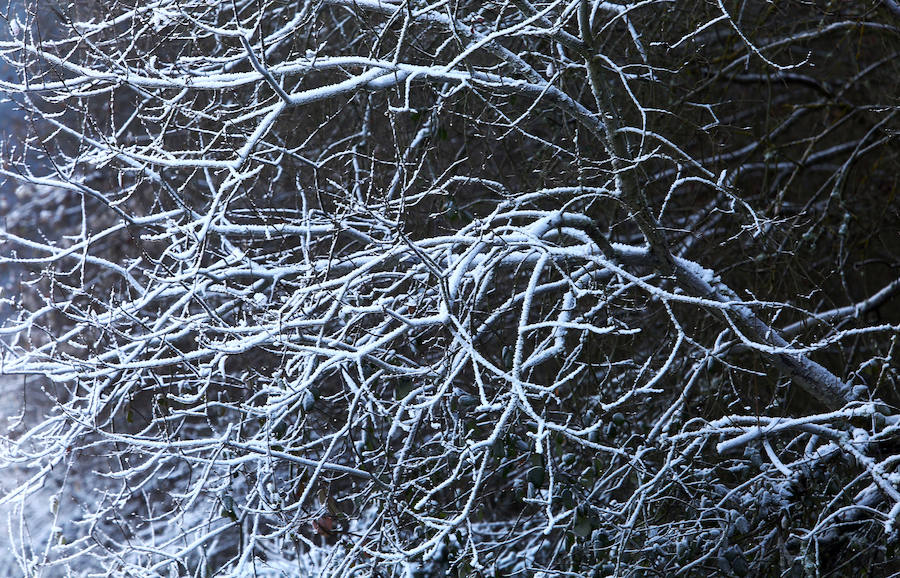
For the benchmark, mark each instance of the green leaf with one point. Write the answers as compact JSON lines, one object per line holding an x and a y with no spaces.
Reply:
{"x":536,"y":476}
{"x":583,"y":527}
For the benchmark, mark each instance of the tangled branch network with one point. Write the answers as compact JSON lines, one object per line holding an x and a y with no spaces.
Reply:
{"x":394,"y":288}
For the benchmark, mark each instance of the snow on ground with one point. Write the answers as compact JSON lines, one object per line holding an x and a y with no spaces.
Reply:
{"x":20,"y":404}
{"x":10,"y":475}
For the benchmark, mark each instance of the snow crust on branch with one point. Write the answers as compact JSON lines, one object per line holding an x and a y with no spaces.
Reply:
{"x":359,"y":287}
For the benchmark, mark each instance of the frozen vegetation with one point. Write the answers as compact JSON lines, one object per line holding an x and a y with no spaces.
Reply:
{"x":402,"y":288}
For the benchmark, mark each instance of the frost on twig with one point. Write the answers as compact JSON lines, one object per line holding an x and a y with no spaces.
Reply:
{"x":361,"y":287}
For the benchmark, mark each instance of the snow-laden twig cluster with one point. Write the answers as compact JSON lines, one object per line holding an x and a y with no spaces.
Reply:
{"x":360,"y":287}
